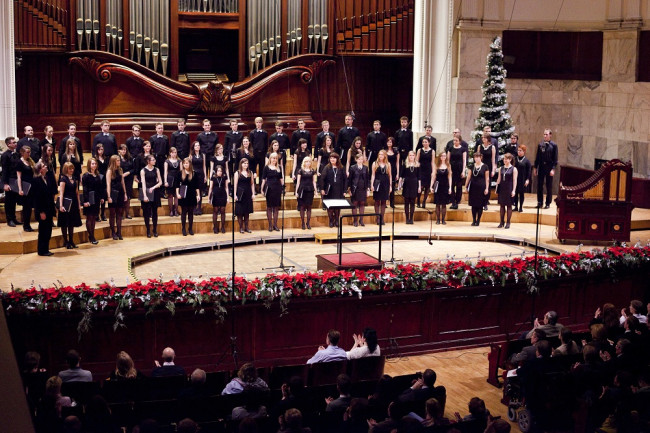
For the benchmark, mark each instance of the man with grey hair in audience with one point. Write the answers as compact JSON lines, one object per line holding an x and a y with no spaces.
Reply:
{"x":549,"y":325}
{"x":168,"y":368}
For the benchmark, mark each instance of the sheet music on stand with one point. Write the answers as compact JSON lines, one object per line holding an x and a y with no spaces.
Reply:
{"x":337,"y":203}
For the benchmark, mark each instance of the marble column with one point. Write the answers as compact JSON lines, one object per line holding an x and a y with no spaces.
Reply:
{"x":432,"y":65}
{"x":8,"y":77}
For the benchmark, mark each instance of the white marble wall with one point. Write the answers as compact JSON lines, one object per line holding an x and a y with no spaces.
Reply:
{"x":590,"y":119}
{"x":7,"y":77}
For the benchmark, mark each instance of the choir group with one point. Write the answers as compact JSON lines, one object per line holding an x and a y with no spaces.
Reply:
{"x":184,"y":171}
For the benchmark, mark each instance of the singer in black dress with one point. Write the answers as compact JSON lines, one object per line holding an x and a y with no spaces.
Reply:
{"x":425,"y":159}
{"x":359,"y":185}
{"x":524,"y":176}
{"x":274,"y":147}
{"x":151,"y":182}
{"x":93,"y":196}
{"x":411,"y":185}
{"x":478,"y":187}
{"x":127,"y":163}
{"x":219,"y":159}
{"x":441,"y":187}
{"x":102,"y":166}
{"x":25,"y":173}
{"x":332,"y":185}
{"x":507,"y":186}
{"x":457,"y":159}
{"x":199,"y":167}
{"x":271,"y":187}
{"x":48,"y":158}
{"x":218,"y":196}
{"x":116,"y":196}
{"x":301,"y":153}
{"x":171,"y":169}
{"x":188,"y":192}
{"x":381,"y":184}
{"x":393,"y":159}
{"x":244,"y":195}
{"x":324,"y":154}
{"x":488,"y":152}
{"x":306,"y":186}
{"x":69,"y":212}
{"x":44,"y":207}
{"x":73,"y":155}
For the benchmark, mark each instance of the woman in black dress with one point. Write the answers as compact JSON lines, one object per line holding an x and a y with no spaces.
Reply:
{"x":301,"y":153}
{"x":219,"y":159}
{"x":271,"y":187}
{"x":332,"y":185}
{"x":355,"y":148}
{"x":324,"y":154}
{"x":425,"y":160}
{"x":93,"y":196}
{"x":381,"y":183}
{"x":25,"y":175}
{"x":102,"y":167}
{"x":116,"y":196}
{"x":218,"y":196}
{"x":245,"y":152}
{"x":507,"y":187}
{"x":457,"y":159}
{"x":69,"y":209}
{"x":274,"y":147}
{"x":188,"y":193}
{"x":359,"y":186}
{"x":393,"y":160}
{"x":199,"y":167}
{"x":488,"y":152}
{"x":48,"y":158}
{"x":411,"y":185}
{"x":172,"y":167}
{"x":72,"y":155}
{"x":244,"y":195}
{"x":441,"y":187}
{"x":150,"y":194}
{"x":478,"y":187}
{"x":129,"y":171}
{"x":44,"y":207}
{"x":305,"y":188}
{"x":524,"y":173}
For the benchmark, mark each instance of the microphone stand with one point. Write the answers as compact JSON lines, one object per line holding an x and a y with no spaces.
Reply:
{"x":393,"y":260}
{"x":430,"y":226}
{"x":282,"y":265}
{"x":233,"y":337}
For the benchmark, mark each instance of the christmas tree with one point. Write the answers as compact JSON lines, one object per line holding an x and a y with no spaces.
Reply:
{"x":493,"y":111}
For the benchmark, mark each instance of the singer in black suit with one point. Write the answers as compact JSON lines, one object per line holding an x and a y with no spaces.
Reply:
{"x":545,"y":163}
{"x":30,"y":141}
{"x":207,"y":139}
{"x":105,"y":138}
{"x":404,"y":140}
{"x":8,"y":161}
{"x":259,"y":139}
{"x":427,"y":134}
{"x":232,"y":143}
{"x":320,"y":138}
{"x":180,"y":140}
{"x":135,"y":143}
{"x":299,"y":133}
{"x":346,"y":136}
{"x":375,"y":142}
{"x":44,"y":207}
{"x":159,"y":146}
{"x":283,"y":142}
{"x":72,"y":130}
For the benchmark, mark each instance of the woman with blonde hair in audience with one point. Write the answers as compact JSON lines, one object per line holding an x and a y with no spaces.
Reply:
{"x":68,"y":204}
{"x":124,"y":368}
{"x":246,"y":379}
{"x":49,"y":409}
{"x":116,"y":193}
{"x":93,"y":196}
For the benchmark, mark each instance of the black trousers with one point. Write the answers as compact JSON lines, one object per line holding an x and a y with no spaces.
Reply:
{"x":44,"y":233}
{"x":258,"y":163}
{"x":11,"y":198}
{"x":544,"y":177}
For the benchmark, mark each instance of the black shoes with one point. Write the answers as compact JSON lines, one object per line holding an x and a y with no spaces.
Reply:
{"x":11,"y":224}
{"x":46,"y":254}
{"x":28,"y":229}
{"x":548,"y":206}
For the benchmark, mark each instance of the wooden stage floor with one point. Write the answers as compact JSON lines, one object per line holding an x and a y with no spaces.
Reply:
{"x":110,"y":259}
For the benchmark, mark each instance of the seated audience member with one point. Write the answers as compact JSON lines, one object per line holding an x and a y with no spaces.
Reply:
{"x":625,"y":358}
{"x":609,"y":317}
{"x":364,"y":345}
{"x":72,"y":424}
{"x":291,"y":422}
{"x":424,"y":388}
{"x":124,"y":368}
{"x":197,"y":388}
{"x":75,"y":373}
{"x":550,"y":326}
{"x":293,"y":396}
{"x":636,"y":310}
{"x":498,"y":425}
{"x":330,"y":353}
{"x":384,"y":394}
{"x":477,"y":412}
{"x":187,"y":426}
{"x":98,"y":418}
{"x":355,"y":418}
{"x":568,"y":346}
{"x":34,"y":378}
{"x":340,"y":404}
{"x":641,"y":399}
{"x":434,"y":414}
{"x":253,"y":407}
{"x":589,"y":376}
{"x":409,"y":425}
{"x":396,"y":411}
{"x":528,"y":352}
{"x":168,"y":368}
{"x":246,"y":379}
{"x":48,"y":412}
{"x":32,"y":363}
{"x":599,"y":338}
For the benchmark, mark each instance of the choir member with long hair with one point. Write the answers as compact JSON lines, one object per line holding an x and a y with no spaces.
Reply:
{"x":441,"y":187}
{"x":25,"y":173}
{"x":272,"y":183}
{"x":129,"y":172}
{"x":48,"y":158}
{"x":188,"y":191}
{"x":478,"y":187}
{"x":244,"y":189}
{"x":324,"y":154}
{"x":274,"y":147}
{"x":381,"y":184}
{"x":44,"y":207}
{"x":356,"y":148}
{"x":170,"y":176}
{"x":218,"y":196}
{"x":507,"y":186}
{"x":302,"y":151}
{"x":69,"y":208}
{"x":305,"y":188}
{"x":116,"y":196}
{"x":410,"y":184}
{"x":425,"y":158}
{"x":150,"y":182}
{"x":489,"y":153}
{"x":457,"y":160}
{"x":392,"y":154}
{"x":93,"y":196}
{"x":219,"y":159}
{"x":332,"y":185}
{"x":199,"y":166}
{"x":524,"y":176}
{"x":72,"y":156}
{"x":102,"y":167}
{"x":359,"y":186}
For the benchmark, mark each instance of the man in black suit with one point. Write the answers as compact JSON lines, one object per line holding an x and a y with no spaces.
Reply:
{"x":105,"y":138}
{"x":544,"y":169}
{"x":283,"y":140}
{"x":44,"y":208}
{"x":487,"y":130}
{"x":8,"y":161}
{"x":232,"y":143}
{"x":375,"y":142}
{"x":346,"y":136}
{"x":301,"y":132}
{"x":404,"y":139}
{"x":72,"y":131}
{"x":180,"y":140}
{"x":450,"y":143}
{"x":30,"y":141}
{"x":428,"y":130}
{"x":423,"y":389}
{"x":159,"y":146}
{"x":135,"y":142}
{"x":207,"y":139}
{"x":168,"y":368}
{"x":259,"y":139}
{"x":320,"y":138}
